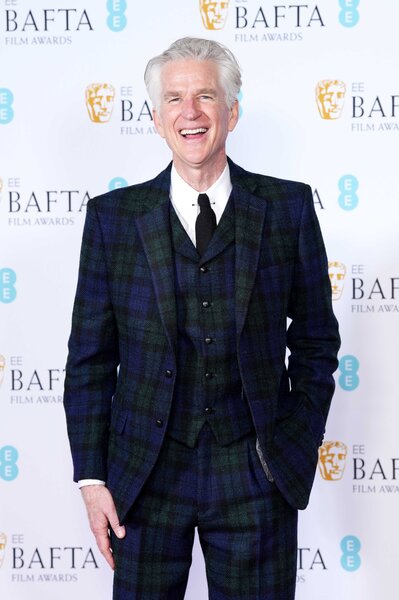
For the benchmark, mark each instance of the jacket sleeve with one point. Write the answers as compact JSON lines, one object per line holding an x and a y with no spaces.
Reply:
{"x":93,"y":358}
{"x":313,"y":338}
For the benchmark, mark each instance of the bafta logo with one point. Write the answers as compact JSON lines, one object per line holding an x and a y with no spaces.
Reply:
{"x":100,"y":101}
{"x":330,"y":97}
{"x":332,"y":459}
{"x":214,"y":14}
{"x":3,"y":544}
{"x":2,"y":368}
{"x":336,"y":272}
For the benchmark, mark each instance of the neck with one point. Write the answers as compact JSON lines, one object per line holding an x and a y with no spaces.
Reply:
{"x":201,"y":178}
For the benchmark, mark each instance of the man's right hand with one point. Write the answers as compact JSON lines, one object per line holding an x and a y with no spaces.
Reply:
{"x":102,"y":517}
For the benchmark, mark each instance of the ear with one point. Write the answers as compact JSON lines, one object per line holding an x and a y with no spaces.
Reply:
{"x":234,"y":114}
{"x":158,"y":122}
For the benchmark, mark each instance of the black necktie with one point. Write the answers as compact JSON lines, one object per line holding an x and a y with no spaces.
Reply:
{"x":205,"y":224}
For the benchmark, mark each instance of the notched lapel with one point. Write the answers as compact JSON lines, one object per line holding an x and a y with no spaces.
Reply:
{"x":250,"y":213}
{"x":154,"y":232}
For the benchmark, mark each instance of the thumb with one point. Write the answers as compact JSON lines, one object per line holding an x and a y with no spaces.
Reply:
{"x":119,"y":530}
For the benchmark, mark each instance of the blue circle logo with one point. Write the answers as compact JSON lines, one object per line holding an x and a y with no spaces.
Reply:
{"x":349,"y":379}
{"x":116,"y":20}
{"x":6,"y":110}
{"x":350,"y":559}
{"x":116,"y":183}
{"x":240,"y":109}
{"x":348,"y":186}
{"x":8,"y":463}
{"x":349,"y":15}
{"x":8,"y":293}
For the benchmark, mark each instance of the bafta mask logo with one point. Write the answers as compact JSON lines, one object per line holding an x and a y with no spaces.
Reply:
{"x":332,"y":460}
{"x":336,"y":272}
{"x":100,"y":101}
{"x":3,"y":544}
{"x":2,"y":368}
{"x":214,"y":13}
{"x":330,"y":97}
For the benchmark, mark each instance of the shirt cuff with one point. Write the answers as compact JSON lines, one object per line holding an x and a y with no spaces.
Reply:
{"x":84,"y":482}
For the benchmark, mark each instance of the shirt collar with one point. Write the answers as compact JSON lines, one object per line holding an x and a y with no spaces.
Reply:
{"x":185,"y":199}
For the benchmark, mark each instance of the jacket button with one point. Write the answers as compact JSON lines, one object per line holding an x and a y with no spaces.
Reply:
{"x":208,"y":410}
{"x":206,"y":304}
{"x":208,"y":375}
{"x":203,"y":269}
{"x":159,"y":422}
{"x":168,"y":373}
{"x":208,"y":340}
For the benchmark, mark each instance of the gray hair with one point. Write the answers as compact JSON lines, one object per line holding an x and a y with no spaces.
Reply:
{"x":201,"y":50}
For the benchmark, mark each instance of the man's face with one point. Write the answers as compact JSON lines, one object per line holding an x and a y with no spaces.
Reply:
{"x":100,"y":103}
{"x":333,"y":463}
{"x":331,"y":96}
{"x":213,"y":13}
{"x":193,"y":115}
{"x":336,"y":272}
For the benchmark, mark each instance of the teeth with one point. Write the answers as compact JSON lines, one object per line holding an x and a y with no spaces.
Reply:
{"x":193,"y":131}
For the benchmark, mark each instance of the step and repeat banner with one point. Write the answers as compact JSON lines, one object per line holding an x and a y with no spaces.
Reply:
{"x":319,"y":103}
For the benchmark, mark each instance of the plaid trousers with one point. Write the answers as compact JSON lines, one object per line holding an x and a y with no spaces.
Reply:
{"x":247,"y":530}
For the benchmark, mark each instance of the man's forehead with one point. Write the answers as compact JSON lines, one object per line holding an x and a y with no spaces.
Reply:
{"x":202,"y":74}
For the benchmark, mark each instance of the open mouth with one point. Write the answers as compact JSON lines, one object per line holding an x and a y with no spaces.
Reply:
{"x":193,"y":133}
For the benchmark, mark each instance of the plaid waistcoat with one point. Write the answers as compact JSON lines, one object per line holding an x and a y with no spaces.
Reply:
{"x":208,"y":386}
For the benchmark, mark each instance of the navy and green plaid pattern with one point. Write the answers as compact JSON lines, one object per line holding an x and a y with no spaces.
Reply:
{"x":125,"y":314}
{"x":208,"y":383}
{"x":247,"y":530}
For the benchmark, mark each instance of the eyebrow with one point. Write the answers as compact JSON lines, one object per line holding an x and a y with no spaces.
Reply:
{"x":172,"y":94}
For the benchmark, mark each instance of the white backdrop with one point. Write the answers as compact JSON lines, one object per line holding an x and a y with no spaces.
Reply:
{"x":53,"y":157}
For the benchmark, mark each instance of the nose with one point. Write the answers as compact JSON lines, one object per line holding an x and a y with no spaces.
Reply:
{"x":190,"y":109}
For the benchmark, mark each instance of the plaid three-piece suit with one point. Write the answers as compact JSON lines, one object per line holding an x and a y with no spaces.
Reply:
{"x":122,"y":362}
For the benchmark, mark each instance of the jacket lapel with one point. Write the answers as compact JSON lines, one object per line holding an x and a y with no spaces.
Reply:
{"x":154,"y":230}
{"x":250,"y":213}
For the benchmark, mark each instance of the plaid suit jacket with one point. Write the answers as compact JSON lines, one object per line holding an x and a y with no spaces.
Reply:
{"x":122,"y":363}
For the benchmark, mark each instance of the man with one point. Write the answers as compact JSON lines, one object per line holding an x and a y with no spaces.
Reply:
{"x":177,"y":394}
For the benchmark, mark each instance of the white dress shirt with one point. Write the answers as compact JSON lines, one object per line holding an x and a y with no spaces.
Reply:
{"x":184,"y":200}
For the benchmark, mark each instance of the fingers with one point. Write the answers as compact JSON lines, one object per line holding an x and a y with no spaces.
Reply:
{"x":103,"y":541}
{"x":102,"y":515}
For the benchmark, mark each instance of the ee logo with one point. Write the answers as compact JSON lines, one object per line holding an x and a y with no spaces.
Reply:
{"x":349,"y":379}
{"x":348,"y":186}
{"x":239,"y":98}
{"x":349,"y":15}
{"x":8,"y":463}
{"x":8,"y":292}
{"x":6,"y":110}
{"x":350,"y":559}
{"x":116,"y":20}
{"x":116,"y":183}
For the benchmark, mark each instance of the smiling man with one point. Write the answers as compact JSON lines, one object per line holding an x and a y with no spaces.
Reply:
{"x":181,"y":410}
